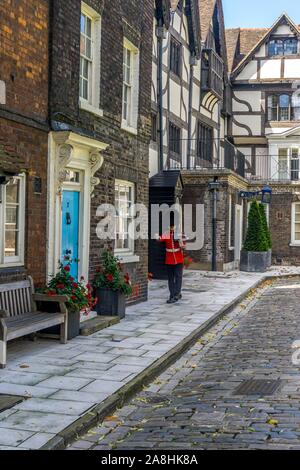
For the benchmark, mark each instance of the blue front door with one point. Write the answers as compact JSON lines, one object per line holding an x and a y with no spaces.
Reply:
{"x":70,"y":229}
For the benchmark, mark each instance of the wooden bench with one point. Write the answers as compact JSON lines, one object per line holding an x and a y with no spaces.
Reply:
{"x":19,"y":315}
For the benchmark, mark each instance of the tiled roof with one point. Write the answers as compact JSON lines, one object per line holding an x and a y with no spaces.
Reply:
{"x":239,"y":43}
{"x":206,"y":8}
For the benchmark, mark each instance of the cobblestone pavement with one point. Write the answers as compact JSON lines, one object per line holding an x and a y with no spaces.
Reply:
{"x":193,"y":404}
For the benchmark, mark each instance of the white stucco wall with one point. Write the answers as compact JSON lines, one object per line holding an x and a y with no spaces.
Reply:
{"x":270,"y":69}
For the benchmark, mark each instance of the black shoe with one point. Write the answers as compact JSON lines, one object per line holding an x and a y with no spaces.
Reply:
{"x":178,"y":297}
{"x":171,"y":300}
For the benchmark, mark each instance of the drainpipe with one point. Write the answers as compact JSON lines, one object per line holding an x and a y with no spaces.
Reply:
{"x":190,"y":114}
{"x":160,"y":37}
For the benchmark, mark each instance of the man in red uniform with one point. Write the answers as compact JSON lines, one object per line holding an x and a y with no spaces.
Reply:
{"x":174,"y":262}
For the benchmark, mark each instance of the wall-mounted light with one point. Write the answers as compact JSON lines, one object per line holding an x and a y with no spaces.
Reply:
{"x":266,"y":195}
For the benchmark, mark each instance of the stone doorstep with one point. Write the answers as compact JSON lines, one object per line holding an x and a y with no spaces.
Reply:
{"x":98,"y":323}
{"x":117,"y":399}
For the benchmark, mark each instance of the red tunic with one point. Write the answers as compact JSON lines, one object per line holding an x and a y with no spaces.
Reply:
{"x":174,"y":253}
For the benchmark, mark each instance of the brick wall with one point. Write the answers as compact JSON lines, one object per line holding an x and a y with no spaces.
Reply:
{"x":127,"y":155}
{"x":24,"y":55}
{"x":23,"y":119}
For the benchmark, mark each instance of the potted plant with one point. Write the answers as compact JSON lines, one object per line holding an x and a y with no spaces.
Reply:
{"x":255,"y":253}
{"x":111,"y":286}
{"x":267,"y":232}
{"x":79,"y":296}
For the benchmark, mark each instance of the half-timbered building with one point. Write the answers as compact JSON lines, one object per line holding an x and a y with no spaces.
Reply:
{"x":265,"y":76}
{"x":191,"y":109}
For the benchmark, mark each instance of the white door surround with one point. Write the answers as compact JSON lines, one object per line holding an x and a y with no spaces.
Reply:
{"x":68,"y":150}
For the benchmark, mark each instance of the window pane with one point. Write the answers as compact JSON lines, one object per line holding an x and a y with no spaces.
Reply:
{"x":11,"y":243}
{"x":82,"y":23}
{"x":276,"y":47}
{"x":12,"y":191}
{"x":272,"y":108}
{"x":88,"y":27}
{"x":296,"y":107}
{"x":11,"y":217}
{"x":284,"y":102}
{"x":290,"y":46}
{"x":283,"y":164}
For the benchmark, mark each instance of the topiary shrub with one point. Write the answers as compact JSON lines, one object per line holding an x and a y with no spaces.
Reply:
{"x":265,"y":225}
{"x":256,"y":239}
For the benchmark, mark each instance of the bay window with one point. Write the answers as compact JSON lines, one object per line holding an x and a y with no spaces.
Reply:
{"x":124,"y":200}
{"x":12,"y":209}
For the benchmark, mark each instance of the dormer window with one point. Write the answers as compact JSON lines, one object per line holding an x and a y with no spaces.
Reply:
{"x":283,"y":47}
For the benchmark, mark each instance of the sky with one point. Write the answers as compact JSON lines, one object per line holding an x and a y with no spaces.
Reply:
{"x":258,"y":13}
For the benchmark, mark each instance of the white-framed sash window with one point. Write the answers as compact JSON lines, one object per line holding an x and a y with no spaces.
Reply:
{"x":295,"y":235}
{"x":288,"y":164}
{"x":130,"y":97}
{"x":124,"y":200}
{"x":12,"y":222}
{"x":90,"y":49}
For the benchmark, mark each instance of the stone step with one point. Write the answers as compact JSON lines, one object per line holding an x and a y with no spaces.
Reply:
{"x":96,"y":324}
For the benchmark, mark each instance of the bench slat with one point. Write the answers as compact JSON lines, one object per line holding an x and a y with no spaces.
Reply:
{"x":15,"y":286}
{"x":32,"y":326}
{"x":13,"y":322}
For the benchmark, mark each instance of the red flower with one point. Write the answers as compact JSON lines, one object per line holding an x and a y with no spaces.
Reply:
{"x":98,"y":270}
{"x":109,"y":277}
{"x":75,"y":285}
{"x":73,"y":297}
{"x":51,"y":293}
{"x":88,"y":286}
{"x":67,"y":269}
{"x":60,"y":286}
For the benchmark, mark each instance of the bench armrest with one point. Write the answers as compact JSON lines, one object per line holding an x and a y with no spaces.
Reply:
{"x":48,"y":298}
{"x":3,"y":314}
{"x":60,"y":299}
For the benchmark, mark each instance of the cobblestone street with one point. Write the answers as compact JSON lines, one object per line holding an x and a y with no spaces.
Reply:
{"x":195,"y":403}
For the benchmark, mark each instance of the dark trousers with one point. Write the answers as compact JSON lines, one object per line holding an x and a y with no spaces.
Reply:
{"x":175,"y":272}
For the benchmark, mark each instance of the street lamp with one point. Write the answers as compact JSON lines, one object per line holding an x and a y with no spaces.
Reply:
{"x":266,"y":197}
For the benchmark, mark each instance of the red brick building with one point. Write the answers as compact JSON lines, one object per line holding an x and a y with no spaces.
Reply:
{"x":24,"y":31}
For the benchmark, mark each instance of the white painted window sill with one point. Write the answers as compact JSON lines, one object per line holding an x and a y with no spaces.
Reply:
{"x":90,"y":108}
{"x":231,"y":248}
{"x":125,"y":259}
{"x":19,"y":264}
{"x":131,"y":130}
{"x":297,"y":245}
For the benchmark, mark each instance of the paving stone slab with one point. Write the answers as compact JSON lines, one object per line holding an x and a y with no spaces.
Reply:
{"x":36,"y":421}
{"x":45,"y":405}
{"x":12,"y":437}
{"x":65,"y":383}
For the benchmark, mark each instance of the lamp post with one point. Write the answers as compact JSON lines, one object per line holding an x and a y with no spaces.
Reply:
{"x":213,"y":187}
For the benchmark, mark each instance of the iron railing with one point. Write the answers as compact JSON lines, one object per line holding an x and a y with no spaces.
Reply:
{"x":222,"y":155}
